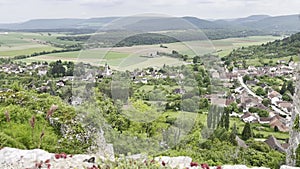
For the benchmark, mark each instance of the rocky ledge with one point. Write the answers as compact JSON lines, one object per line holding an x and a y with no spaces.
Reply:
{"x":11,"y":158}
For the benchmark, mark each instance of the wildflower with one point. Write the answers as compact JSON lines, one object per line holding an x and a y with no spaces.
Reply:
{"x":32,"y":122}
{"x":163,"y":163}
{"x":42,"y":134}
{"x":51,"y":111}
{"x":204,"y":166}
{"x":193,"y":164}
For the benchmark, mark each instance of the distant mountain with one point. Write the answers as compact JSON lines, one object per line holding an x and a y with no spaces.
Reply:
{"x":283,"y":24}
{"x":59,"y":23}
{"x":288,"y":23}
{"x":252,"y":18}
{"x":263,"y":23}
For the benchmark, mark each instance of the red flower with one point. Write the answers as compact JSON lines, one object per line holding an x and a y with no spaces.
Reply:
{"x":63,"y":155}
{"x":219,"y":167}
{"x":193,"y":164}
{"x":48,"y":166}
{"x":47,"y":161}
{"x":163,"y":163}
{"x":57,"y":156}
{"x":204,"y":166}
{"x":38,"y":165}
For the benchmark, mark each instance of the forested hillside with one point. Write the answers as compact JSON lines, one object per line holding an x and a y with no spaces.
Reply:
{"x":289,"y":46}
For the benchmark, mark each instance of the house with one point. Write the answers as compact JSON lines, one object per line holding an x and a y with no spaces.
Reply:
{"x":218,"y":101}
{"x":279,"y":122}
{"x":249,"y":118}
{"x":144,"y":80}
{"x":275,"y":144}
{"x":285,"y":106}
{"x":251,"y":82}
{"x":232,"y":76}
{"x":265,"y":120}
{"x":247,"y":102}
{"x":239,"y":90}
{"x":274,"y":96}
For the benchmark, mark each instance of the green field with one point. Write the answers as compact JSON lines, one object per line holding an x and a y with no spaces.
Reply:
{"x":122,"y":58}
{"x":15,"y":43}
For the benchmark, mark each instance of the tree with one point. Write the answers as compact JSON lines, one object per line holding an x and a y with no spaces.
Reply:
{"x":57,"y":69}
{"x":233,"y":134}
{"x":246,"y":78}
{"x":266,"y":102}
{"x":247,"y":132}
{"x":276,"y":129}
{"x":290,"y":87}
{"x":228,"y":110}
{"x":283,"y":88}
{"x":260,"y":91}
{"x":291,"y":59}
{"x":244,"y":64}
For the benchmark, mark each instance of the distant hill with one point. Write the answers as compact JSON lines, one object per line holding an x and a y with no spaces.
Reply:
{"x":276,"y":24}
{"x":59,"y":24}
{"x":288,"y":23}
{"x":289,"y":46}
{"x":252,"y":18}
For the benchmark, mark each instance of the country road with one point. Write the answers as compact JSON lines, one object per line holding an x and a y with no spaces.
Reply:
{"x":240,"y":79}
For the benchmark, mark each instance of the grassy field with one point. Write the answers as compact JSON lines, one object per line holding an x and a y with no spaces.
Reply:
{"x":257,"y":62}
{"x":128,"y":58}
{"x":224,"y":46}
{"x":16,"y":43}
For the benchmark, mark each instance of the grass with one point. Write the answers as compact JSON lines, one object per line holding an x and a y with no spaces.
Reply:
{"x":265,"y":131}
{"x":256,"y":61}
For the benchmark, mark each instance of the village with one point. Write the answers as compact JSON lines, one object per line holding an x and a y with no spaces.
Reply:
{"x":240,"y":91}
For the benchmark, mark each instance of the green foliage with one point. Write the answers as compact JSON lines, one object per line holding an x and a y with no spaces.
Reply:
{"x":260,"y":112}
{"x":146,"y":39}
{"x":296,"y":123}
{"x":247,"y":132}
{"x":266,"y":102}
{"x":246,"y":78}
{"x":260,"y":91}
{"x":18,"y":108}
{"x":279,"y":48}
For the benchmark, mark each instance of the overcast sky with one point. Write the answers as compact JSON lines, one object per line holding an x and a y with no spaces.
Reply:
{"x":23,"y":10}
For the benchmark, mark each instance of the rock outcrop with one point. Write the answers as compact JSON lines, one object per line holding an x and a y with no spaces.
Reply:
{"x":11,"y":158}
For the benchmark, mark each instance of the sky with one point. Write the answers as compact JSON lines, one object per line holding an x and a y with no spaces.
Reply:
{"x":23,"y":10}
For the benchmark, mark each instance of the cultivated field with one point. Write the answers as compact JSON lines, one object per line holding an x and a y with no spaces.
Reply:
{"x":120,"y":57}
{"x":14,"y":43}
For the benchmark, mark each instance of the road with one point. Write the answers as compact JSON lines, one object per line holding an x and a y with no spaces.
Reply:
{"x":240,"y":79}
{"x":277,"y":110}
